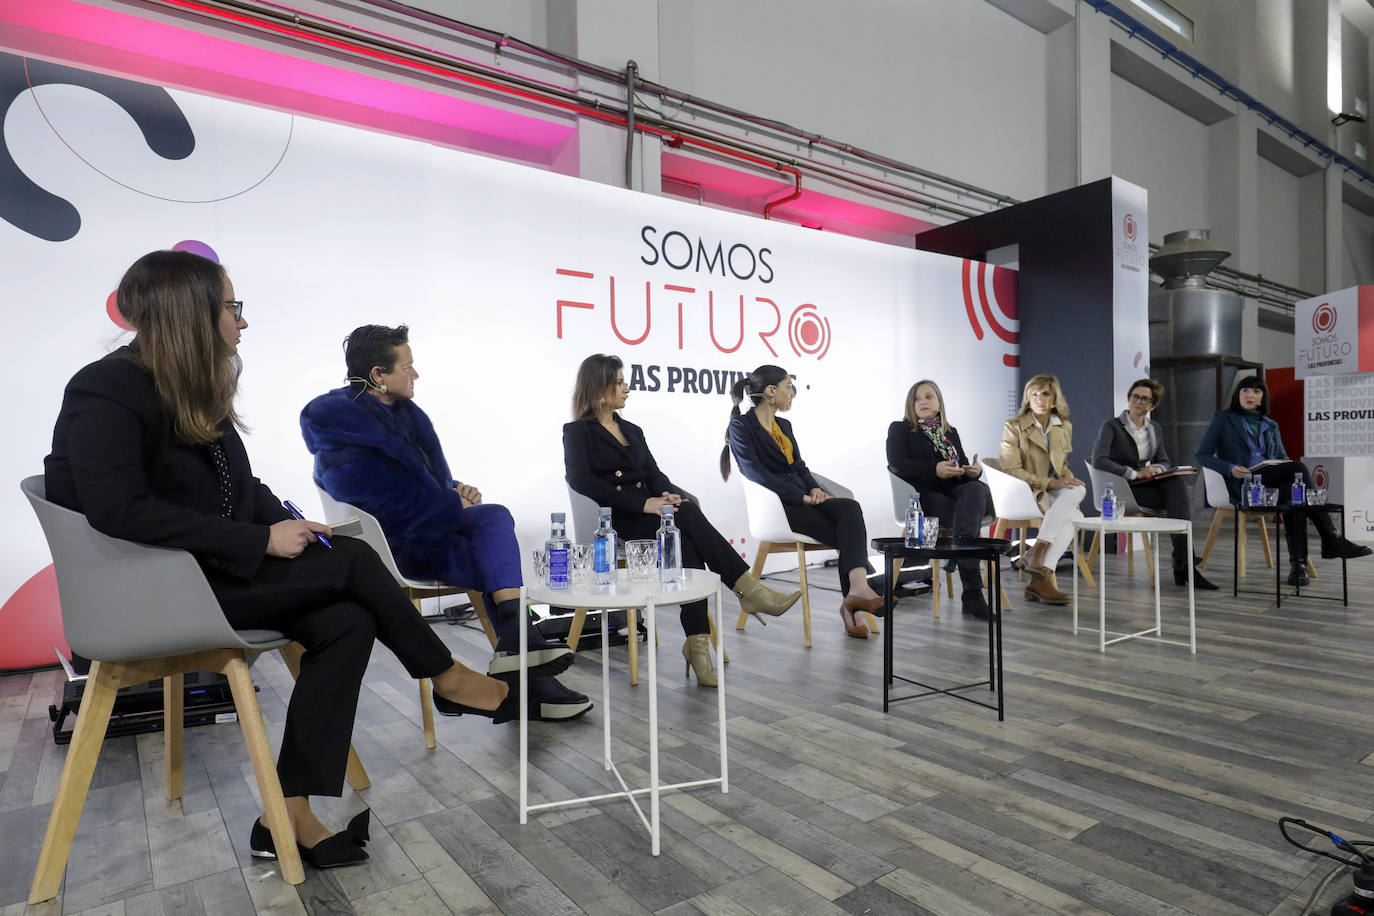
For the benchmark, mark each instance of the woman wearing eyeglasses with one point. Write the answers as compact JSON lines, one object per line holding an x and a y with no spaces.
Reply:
{"x":146,"y":444}
{"x":1132,"y":446}
{"x":767,"y":453}
{"x":1035,"y":448}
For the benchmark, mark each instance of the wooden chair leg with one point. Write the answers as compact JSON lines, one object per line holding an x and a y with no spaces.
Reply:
{"x":575,"y":631}
{"x":92,"y":719}
{"x":949,"y":583}
{"x":354,"y":771}
{"x":1264,"y":541}
{"x":1311,"y":570}
{"x":1097,"y":545}
{"x":1217,"y":515}
{"x":760,"y":558}
{"x":1240,"y":547}
{"x":632,"y":621}
{"x":806,"y":593}
{"x":260,"y":753}
{"x":479,"y":608}
{"x":427,"y":712}
{"x":934,"y":590}
{"x":1130,"y":555}
{"x":1149,"y":543}
{"x":173,"y":721}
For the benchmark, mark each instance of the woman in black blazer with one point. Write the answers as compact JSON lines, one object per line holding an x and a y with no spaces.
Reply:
{"x":607,"y":459}
{"x":925,"y":451}
{"x":1132,"y":446}
{"x":768,"y":454}
{"x":146,"y":446}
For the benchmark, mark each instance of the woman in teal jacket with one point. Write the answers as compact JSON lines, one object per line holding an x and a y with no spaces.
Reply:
{"x":1244,"y":435}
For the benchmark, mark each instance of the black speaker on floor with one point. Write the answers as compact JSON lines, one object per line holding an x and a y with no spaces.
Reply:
{"x":138,"y":708}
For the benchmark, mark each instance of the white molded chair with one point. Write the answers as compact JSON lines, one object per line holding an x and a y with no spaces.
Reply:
{"x":1014,"y":503}
{"x":771,"y":531}
{"x":142,"y":613}
{"x":1218,"y":498}
{"x":415,"y":589}
{"x":1125,"y":499}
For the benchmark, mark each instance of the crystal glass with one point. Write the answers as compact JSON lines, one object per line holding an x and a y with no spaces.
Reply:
{"x":642,"y":559}
{"x":930,"y":533}
{"x":1271,"y":496}
{"x":580,"y":562}
{"x":541,"y":566}
{"x":1316,"y":496}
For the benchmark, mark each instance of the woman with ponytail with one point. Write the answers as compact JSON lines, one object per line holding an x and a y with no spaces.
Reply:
{"x":767,"y":453}
{"x":606,"y":458}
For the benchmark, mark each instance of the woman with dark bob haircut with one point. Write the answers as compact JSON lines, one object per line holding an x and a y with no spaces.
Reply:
{"x":768,"y":454}
{"x":146,"y":445}
{"x":607,"y":459}
{"x":1243,"y":437}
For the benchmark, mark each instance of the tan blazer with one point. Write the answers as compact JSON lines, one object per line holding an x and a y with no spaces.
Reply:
{"x":1023,"y":453}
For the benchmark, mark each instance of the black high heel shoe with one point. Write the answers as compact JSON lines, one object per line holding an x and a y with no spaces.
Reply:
{"x":343,"y":848}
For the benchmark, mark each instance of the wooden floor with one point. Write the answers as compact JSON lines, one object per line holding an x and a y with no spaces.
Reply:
{"x":1143,"y":781}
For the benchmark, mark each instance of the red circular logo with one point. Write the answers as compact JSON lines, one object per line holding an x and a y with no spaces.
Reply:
{"x":1324,"y":318}
{"x":1319,"y":476}
{"x":808,"y":332}
{"x":1128,"y":227}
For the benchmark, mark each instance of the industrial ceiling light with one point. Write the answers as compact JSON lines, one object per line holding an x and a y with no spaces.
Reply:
{"x":1346,"y":117}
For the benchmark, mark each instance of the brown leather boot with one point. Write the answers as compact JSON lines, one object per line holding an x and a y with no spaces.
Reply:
{"x":1043,"y":589}
{"x":1034,"y":561}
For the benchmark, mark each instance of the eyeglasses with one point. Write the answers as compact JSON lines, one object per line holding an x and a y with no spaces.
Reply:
{"x":237,"y":306}
{"x":1141,"y":398}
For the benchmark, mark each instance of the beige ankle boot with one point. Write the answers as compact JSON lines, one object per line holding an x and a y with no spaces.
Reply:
{"x":756,"y":598}
{"x":1043,"y":589}
{"x":1034,"y":561}
{"x":696,"y":651}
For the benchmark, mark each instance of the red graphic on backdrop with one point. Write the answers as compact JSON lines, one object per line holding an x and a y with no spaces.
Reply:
{"x":1128,"y":227}
{"x":808,"y":332}
{"x":1003,"y":294}
{"x":1320,"y":477}
{"x":1324,"y":318}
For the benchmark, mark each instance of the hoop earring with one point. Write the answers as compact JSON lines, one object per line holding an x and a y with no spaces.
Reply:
{"x":602,"y":402}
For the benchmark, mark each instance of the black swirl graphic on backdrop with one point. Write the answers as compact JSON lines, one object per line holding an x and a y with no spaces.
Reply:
{"x":41,"y":213}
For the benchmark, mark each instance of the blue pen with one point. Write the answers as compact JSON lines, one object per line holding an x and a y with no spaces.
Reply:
{"x":291,"y":507}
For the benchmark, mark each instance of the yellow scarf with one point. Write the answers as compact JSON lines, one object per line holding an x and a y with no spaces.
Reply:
{"x":783,"y":442}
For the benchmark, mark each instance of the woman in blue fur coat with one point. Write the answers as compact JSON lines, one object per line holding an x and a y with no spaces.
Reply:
{"x":376,"y":449}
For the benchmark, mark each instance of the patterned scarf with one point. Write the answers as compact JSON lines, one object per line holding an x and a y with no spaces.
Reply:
{"x":943,"y":446}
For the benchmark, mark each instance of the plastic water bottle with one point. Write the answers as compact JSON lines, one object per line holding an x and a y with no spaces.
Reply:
{"x":1299,"y":490}
{"x":669,"y":547}
{"x":1108,"y":503}
{"x":557,"y":549}
{"x":915,"y":522}
{"x":1254,"y":489}
{"x":603,"y":549}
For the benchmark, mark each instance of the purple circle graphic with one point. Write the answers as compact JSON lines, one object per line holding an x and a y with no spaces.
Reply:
{"x":195,"y":247}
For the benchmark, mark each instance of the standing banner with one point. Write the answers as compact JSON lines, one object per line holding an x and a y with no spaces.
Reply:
{"x":508,"y":277}
{"x":1334,"y":334}
{"x":1130,"y":287}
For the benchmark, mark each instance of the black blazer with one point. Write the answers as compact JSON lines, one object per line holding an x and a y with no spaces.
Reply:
{"x":1116,"y":451}
{"x":115,"y":458}
{"x":615,"y":475}
{"x":760,"y":459}
{"x":912,"y":456}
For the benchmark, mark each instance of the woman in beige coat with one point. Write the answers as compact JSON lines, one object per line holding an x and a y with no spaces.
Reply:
{"x":1035,"y":447}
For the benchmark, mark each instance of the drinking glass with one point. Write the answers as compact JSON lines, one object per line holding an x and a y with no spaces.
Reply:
{"x":930,"y":533}
{"x":1271,"y":496}
{"x":642,"y":559}
{"x":1316,"y":496}
{"x":580,"y":560}
{"x":541,"y":567}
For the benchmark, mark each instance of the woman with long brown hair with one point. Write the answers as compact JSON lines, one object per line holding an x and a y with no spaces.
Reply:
{"x":607,"y":459}
{"x":146,"y":445}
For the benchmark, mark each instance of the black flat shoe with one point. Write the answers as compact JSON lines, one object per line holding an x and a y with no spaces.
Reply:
{"x":1338,"y":548}
{"x":1200,"y":582}
{"x":975,"y":605}
{"x":332,"y":852}
{"x":506,"y":712}
{"x":1298,"y":577}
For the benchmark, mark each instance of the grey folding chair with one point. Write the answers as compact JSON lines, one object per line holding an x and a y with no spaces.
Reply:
{"x":142,"y":613}
{"x":1121,"y":489}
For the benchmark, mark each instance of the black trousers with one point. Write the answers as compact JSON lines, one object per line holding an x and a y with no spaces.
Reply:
{"x":840,"y":523}
{"x":336,"y":603}
{"x":961,"y":509}
{"x":703,"y":547}
{"x":1174,"y":497}
{"x":1280,"y":477}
